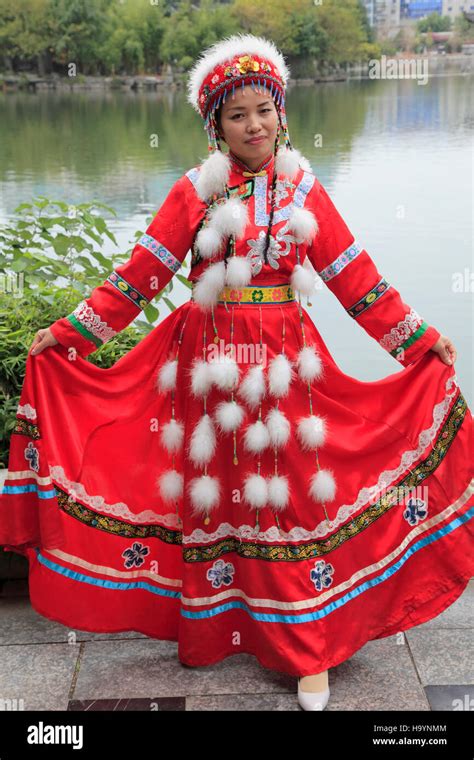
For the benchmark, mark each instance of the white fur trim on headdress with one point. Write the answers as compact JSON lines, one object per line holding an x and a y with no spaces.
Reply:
{"x":228,"y":48}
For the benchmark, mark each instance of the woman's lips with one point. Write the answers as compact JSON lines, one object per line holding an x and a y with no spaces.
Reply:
{"x":256,"y":140}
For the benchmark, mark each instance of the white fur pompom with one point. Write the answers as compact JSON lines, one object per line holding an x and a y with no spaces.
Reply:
{"x":209,"y":285}
{"x":252,"y":388}
{"x":229,"y":218}
{"x":280,"y":375}
{"x":238,"y":272}
{"x":229,"y":415}
{"x":288,"y":161}
{"x":167,"y":375}
{"x":208,"y":242}
{"x":204,"y":493}
{"x":172,"y":434}
{"x":303,"y":224}
{"x":257,"y":437}
{"x":278,"y":427}
{"x":303,"y":280}
{"x":278,"y":492}
{"x":213,"y":175}
{"x":224,"y":372}
{"x":309,"y":364}
{"x":311,"y":431}
{"x":322,"y":486}
{"x":203,"y":441}
{"x":256,"y":491}
{"x":171,"y":485}
{"x":201,"y":380}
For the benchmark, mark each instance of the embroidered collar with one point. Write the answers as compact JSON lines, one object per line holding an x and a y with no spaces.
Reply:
{"x":239,"y":166}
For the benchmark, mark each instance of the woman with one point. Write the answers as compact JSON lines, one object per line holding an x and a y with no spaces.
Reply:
{"x":225,"y":485}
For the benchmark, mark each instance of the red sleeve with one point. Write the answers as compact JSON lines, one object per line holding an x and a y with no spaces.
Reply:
{"x":130,"y":287}
{"x":349,"y":272}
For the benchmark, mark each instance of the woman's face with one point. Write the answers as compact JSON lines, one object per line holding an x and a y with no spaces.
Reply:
{"x":247,"y":115}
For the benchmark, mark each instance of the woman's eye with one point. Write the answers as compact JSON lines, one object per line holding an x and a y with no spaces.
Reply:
{"x":241,"y":114}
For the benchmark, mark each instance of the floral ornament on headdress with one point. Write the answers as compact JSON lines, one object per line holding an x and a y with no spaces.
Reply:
{"x":238,"y":61}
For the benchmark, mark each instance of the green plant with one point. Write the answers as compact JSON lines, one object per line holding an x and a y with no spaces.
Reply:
{"x":49,"y":241}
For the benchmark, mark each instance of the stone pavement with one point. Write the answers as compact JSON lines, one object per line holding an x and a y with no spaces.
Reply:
{"x":47,"y":666}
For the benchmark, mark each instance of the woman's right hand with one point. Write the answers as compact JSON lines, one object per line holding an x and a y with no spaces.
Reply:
{"x":43,"y":339}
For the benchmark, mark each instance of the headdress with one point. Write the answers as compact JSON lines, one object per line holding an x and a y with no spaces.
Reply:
{"x":237,"y":61}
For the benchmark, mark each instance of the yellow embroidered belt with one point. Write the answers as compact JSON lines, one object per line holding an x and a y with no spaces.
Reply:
{"x":257,"y":294}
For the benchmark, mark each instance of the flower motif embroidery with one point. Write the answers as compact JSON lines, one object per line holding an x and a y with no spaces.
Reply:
{"x":32,"y":456}
{"x":321,"y":574}
{"x":281,"y":190}
{"x":221,"y":573}
{"x":257,"y":247}
{"x":134,"y":555}
{"x":415,"y":511}
{"x":277,"y":295}
{"x":236,"y":295}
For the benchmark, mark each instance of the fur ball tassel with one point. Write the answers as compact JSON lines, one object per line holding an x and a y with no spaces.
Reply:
{"x":303,"y":280}
{"x":278,"y":492}
{"x":203,"y":441}
{"x":322,"y":486}
{"x":288,"y":161}
{"x":213,"y":176}
{"x":229,"y":415}
{"x":224,"y":372}
{"x":204,"y":493}
{"x":256,"y":491}
{"x":172,"y":435}
{"x":280,"y":375}
{"x":309,"y":364}
{"x":303,"y":224}
{"x":252,"y":388}
{"x":238,"y":272}
{"x":311,"y":431}
{"x":278,"y":427}
{"x":167,"y":376}
{"x":208,"y":242}
{"x":229,"y":218}
{"x":257,"y":437}
{"x":171,"y":485}
{"x":210,"y":284}
{"x":201,"y":380}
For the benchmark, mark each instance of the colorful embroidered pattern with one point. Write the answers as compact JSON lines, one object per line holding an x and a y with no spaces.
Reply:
{"x":369,"y":299}
{"x":88,"y":323}
{"x":127,"y":290}
{"x":160,"y":251}
{"x":342,"y":261}
{"x":263,"y":294}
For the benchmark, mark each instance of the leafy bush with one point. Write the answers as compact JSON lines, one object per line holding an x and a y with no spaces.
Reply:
{"x":49,"y":241}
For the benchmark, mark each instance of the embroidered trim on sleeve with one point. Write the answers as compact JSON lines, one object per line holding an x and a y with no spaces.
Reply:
{"x":402,"y":332}
{"x":342,"y":261}
{"x":369,"y":299}
{"x":124,"y":287}
{"x":88,"y":323}
{"x":160,"y":251}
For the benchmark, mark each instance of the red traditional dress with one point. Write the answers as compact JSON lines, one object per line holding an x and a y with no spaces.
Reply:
{"x":382,"y":541}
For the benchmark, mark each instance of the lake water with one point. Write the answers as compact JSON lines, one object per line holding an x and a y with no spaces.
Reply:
{"x":396,"y":158}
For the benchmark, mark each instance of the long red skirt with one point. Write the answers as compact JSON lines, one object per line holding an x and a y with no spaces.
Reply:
{"x":107,"y":554}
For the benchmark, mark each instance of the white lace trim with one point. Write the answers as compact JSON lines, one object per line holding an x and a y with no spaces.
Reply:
{"x":273,"y":535}
{"x":98,"y":503}
{"x":27,"y":411}
{"x":92,"y":322}
{"x":404,"y":330}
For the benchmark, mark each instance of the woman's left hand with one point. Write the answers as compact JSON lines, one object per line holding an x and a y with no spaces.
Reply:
{"x":445,"y":350}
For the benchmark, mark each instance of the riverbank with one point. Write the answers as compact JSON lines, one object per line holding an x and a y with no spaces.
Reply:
{"x":438,"y":64}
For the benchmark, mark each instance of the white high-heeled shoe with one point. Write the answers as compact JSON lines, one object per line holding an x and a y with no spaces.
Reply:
{"x":313,"y":700}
